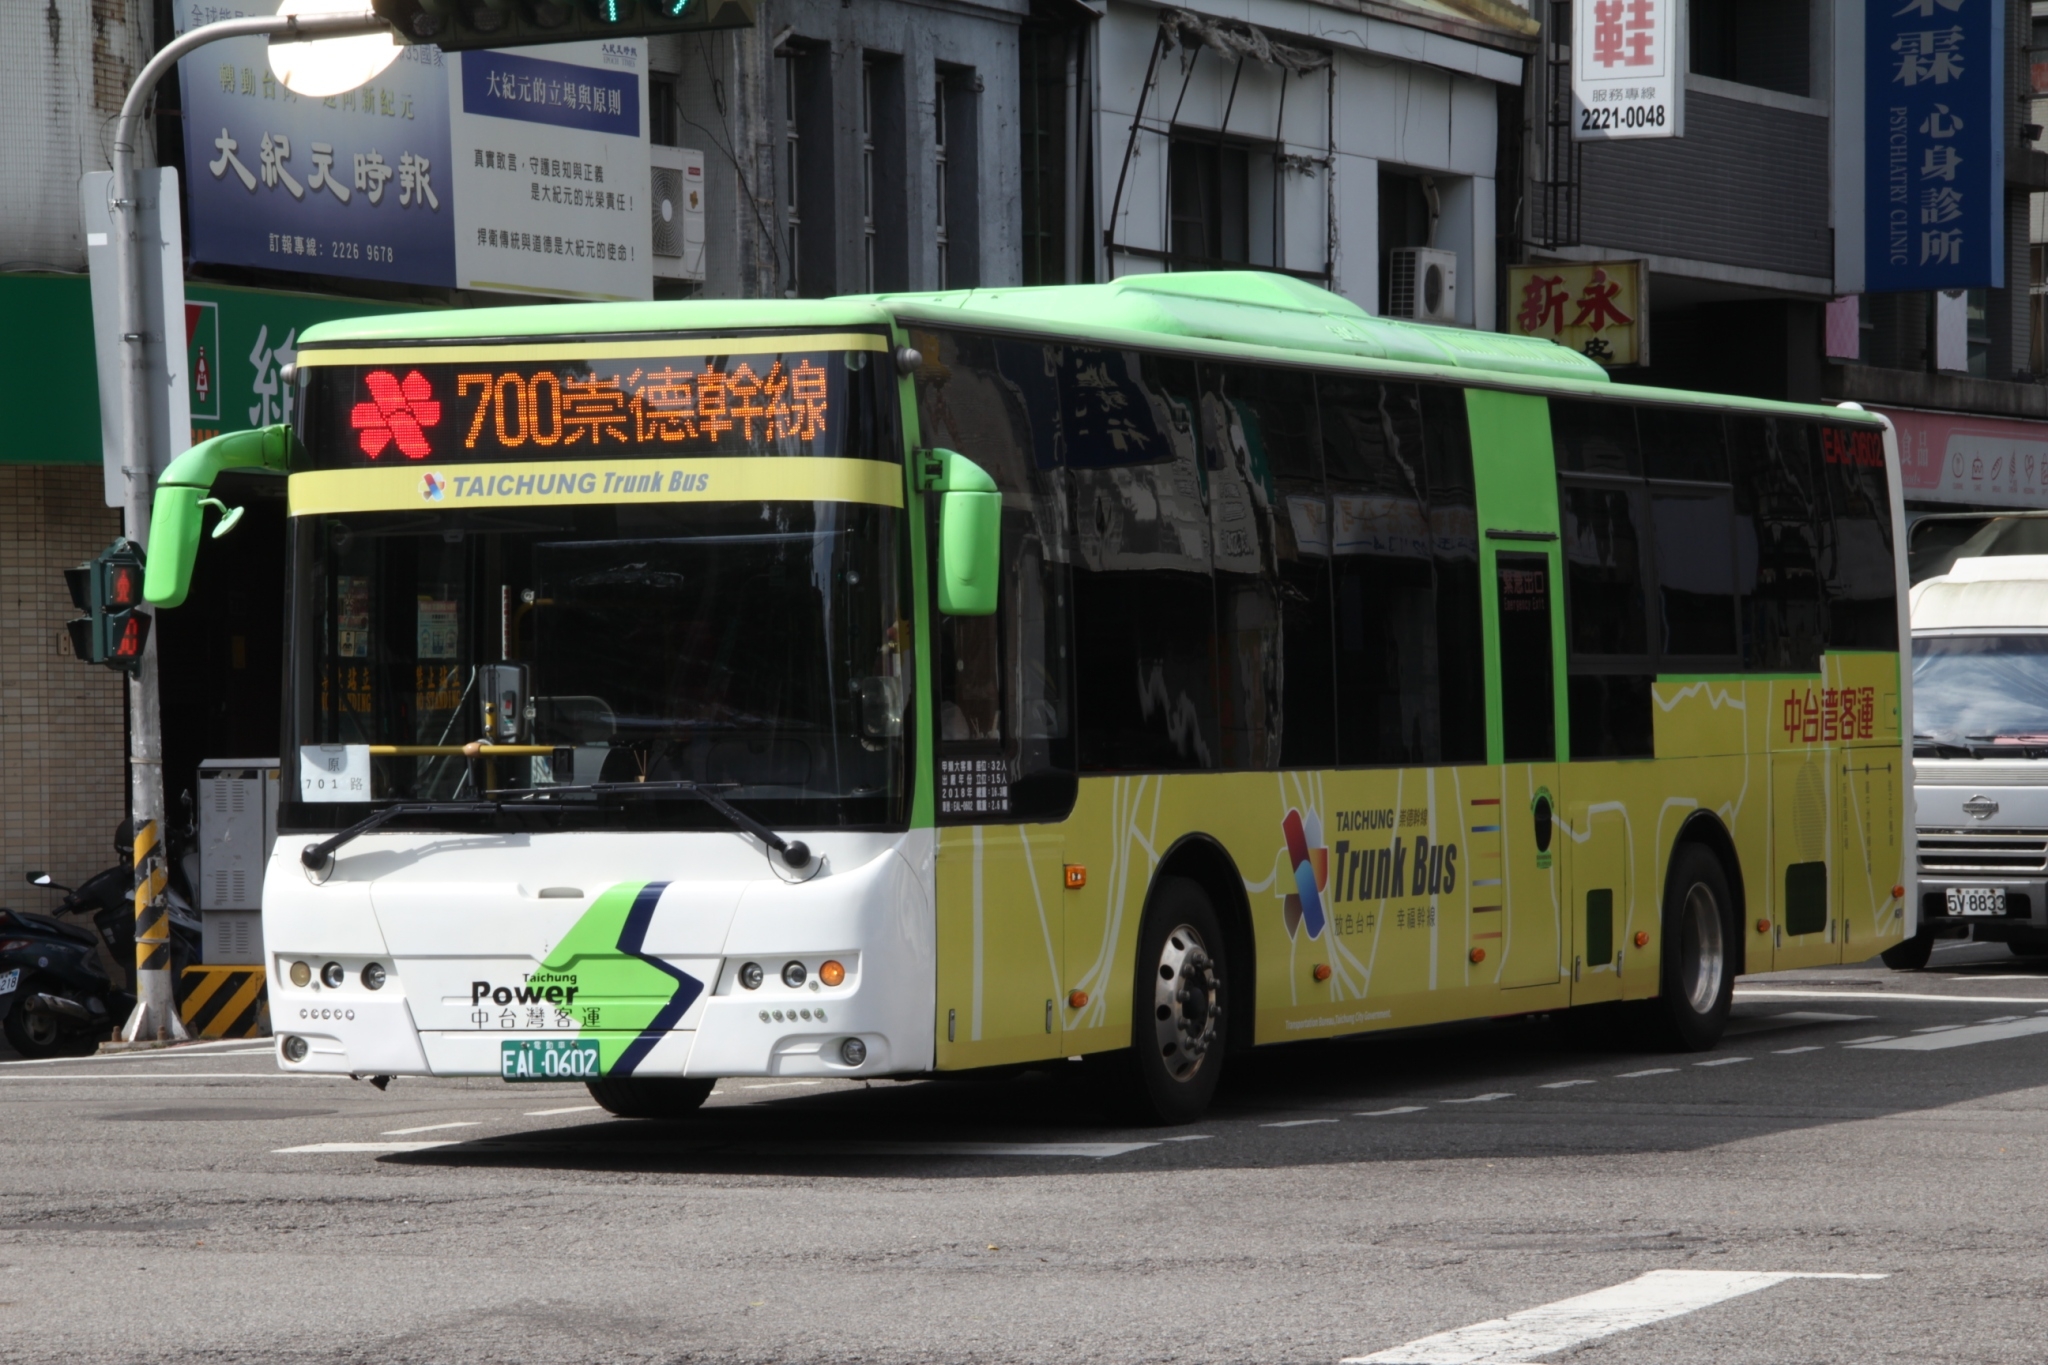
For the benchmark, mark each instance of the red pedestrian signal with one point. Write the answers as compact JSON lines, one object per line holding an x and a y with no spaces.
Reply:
{"x":115,"y":630}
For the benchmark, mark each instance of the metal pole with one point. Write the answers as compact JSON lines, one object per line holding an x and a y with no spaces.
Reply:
{"x":156,"y":1013}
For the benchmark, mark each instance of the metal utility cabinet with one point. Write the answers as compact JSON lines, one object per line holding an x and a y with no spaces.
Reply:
{"x":237,"y":826}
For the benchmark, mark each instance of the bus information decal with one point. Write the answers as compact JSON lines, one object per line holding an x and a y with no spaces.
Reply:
{"x":974,"y":786}
{"x":1831,"y":714}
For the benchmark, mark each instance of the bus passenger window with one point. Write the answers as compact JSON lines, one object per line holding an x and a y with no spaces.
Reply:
{"x":1454,"y":546}
{"x":1390,"y":702}
{"x":1526,"y":711}
{"x":1271,"y":537}
{"x":1856,"y":560}
{"x":1144,"y":604}
{"x":1778,"y":515}
{"x":1003,"y":708}
{"x":1608,"y":564}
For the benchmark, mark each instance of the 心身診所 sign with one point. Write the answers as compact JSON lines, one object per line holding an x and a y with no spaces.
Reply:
{"x":1934,"y":139}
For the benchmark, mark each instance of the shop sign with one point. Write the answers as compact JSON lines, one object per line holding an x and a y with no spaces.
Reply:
{"x":1597,"y":308}
{"x":1991,"y":461}
{"x":1628,"y":69}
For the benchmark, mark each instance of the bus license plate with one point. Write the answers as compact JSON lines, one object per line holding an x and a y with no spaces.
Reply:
{"x":1976,"y":900}
{"x":548,"y":1059}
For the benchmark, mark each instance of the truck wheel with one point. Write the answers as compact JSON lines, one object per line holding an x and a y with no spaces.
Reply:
{"x":651,"y":1097}
{"x":1177,"y":1008}
{"x":1909,"y":955}
{"x":1697,"y":985}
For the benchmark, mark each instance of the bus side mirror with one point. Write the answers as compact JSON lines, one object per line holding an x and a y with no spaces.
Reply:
{"x":178,"y":514}
{"x":970,"y":533}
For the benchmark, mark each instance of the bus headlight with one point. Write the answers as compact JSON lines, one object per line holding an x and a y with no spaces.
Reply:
{"x":295,"y":1048}
{"x":302,"y":975}
{"x":793,"y":974}
{"x":750,"y":975}
{"x":332,"y":975}
{"x":853,"y":1051}
{"x":373,"y":977}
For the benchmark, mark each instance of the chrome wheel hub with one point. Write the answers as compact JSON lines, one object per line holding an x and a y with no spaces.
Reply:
{"x":1702,"y":958}
{"x":1186,"y":1003}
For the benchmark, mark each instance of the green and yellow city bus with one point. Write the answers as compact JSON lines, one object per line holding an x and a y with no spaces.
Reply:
{"x":1150,"y":670}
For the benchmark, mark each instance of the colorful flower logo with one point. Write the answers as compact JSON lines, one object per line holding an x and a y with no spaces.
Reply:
{"x":397,"y":414}
{"x":1311,"y":871}
{"x":432,"y":486}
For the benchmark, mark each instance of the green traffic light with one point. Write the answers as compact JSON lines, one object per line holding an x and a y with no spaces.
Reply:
{"x":608,"y":11}
{"x":670,"y":9}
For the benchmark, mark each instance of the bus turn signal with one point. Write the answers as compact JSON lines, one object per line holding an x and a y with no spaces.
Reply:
{"x":1642,"y":938}
{"x":1077,"y":876}
{"x":1479,"y":954}
{"x":1763,"y":926}
{"x":1077,"y":1000}
{"x":831,"y":973}
{"x":1321,"y":972}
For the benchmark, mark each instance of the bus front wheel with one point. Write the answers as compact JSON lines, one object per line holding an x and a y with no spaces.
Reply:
{"x":1178,"y":1036}
{"x":1698,"y":976}
{"x":651,"y":1097}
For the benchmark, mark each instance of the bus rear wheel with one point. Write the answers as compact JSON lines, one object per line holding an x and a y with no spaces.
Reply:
{"x":1697,"y":985}
{"x":1182,"y":990}
{"x":651,"y":1097}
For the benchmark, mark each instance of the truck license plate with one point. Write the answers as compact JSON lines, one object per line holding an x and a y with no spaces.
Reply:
{"x":1976,"y":900}
{"x":548,"y":1059}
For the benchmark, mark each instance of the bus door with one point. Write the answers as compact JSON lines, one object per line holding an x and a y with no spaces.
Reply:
{"x":1000,"y":941}
{"x":1803,"y":864}
{"x":1867,"y":852}
{"x":1528,"y":833}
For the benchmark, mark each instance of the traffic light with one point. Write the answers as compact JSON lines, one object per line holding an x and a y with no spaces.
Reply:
{"x":109,"y":590}
{"x":454,"y":25}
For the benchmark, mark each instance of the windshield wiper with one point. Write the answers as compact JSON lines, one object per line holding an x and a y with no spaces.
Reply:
{"x":317,"y":856}
{"x":795,"y":853}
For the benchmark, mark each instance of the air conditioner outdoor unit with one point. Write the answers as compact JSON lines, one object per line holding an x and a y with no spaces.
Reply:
{"x":1423,"y":284}
{"x":676,"y":185}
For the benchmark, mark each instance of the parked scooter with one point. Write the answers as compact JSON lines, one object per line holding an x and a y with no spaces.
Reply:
{"x":55,"y":996}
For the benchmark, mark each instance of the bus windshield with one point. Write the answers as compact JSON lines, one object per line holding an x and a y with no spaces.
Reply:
{"x":1980,"y":689}
{"x":755,"y":648}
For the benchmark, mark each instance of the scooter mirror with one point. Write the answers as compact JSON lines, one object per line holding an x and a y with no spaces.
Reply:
{"x":40,"y":879}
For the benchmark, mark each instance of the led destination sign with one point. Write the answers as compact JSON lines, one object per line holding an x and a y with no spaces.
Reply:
{"x":478,"y":407}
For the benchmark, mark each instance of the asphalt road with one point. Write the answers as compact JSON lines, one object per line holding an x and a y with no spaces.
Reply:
{"x":1343,"y":1200}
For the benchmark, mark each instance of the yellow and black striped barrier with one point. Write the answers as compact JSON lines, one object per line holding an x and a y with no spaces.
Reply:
{"x":224,"y":1002}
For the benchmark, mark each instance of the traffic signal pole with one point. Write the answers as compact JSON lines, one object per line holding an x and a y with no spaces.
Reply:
{"x":156,"y":1011}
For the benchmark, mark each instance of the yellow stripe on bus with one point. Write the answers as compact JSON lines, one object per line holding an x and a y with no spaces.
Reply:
{"x":565,"y":348}
{"x":543,"y":483}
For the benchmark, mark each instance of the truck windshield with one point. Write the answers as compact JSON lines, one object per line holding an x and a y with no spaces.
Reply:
{"x":1981,"y":689}
{"x":753,"y":647}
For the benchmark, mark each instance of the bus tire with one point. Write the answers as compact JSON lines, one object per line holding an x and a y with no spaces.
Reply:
{"x":1697,"y":981}
{"x":651,"y":1097}
{"x":1909,"y":955}
{"x":1178,"y":1007}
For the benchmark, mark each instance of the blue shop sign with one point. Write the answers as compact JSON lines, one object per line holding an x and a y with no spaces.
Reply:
{"x":1934,"y":127}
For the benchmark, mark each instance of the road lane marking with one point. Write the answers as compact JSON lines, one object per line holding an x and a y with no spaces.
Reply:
{"x":1789,"y":1051}
{"x":1190,"y":1137}
{"x":1937,"y":1028}
{"x":1654,"y":1297}
{"x":1765,"y":1023}
{"x":433,"y":1127}
{"x":379,"y":1147}
{"x":1483,"y":1099}
{"x":571,"y":1109}
{"x":1296,"y":1123}
{"x":1997,"y":1019}
{"x":1873,"y":1038}
{"x":1382,"y":1113}
{"x":1653,"y":1071}
{"x":1962,"y":1037}
{"x":1722,"y":1061}
{"x":1563,"y":1085}
{"x":184,"y":1076}
{"x":1773,"y":993}
{"x":233,"y":1047}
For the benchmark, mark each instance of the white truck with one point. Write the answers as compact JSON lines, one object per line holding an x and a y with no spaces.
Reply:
{"x":1980,"y":755}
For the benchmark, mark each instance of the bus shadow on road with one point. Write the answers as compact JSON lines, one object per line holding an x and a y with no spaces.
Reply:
{"x":1492,"y":1090}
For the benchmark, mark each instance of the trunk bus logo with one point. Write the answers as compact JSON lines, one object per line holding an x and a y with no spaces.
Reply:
{"x":1311,"y":872}
{"x":397,"y":413}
